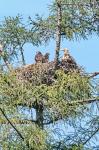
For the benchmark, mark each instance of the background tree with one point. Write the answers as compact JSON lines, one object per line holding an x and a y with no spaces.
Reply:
{"x":14,"y":34}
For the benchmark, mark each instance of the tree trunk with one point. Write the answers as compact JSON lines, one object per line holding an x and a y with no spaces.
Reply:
{"x":22,"y":55}
{"x":8,"y":65}
{"x":58,"y":32}
{"x":39,"y":116}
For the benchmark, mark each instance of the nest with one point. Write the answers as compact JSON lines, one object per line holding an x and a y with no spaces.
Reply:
{"x":44,"y":73}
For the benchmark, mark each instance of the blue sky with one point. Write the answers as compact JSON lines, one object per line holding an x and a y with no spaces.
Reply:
{"x":86,"y":52}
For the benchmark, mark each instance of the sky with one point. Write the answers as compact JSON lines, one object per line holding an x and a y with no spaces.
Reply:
{"x":85,"y":52}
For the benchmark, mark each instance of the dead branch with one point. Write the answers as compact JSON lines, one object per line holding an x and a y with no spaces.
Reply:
{"x":94,"y":74}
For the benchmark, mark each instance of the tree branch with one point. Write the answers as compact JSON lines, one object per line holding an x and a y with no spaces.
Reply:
{"x":18,"y":132}
{"x":94,"y":74}
{"x":3,"y":113}
{"x":90,"y":4}
{"x":26,"y":121}
{"x":82,"y":101}
{"x":91,"y":136}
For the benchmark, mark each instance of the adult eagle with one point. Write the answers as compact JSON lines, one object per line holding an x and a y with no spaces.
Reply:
{"x":68,"y":60}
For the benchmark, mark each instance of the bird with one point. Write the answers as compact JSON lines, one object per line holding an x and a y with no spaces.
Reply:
{"x":67,"y":57}
{"x":39,"y":57}
{"x":46,"y":58}
{"x":68,"y":60}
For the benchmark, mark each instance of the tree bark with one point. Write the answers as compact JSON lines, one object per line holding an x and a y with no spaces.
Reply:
{"x":58,"y":32}
{"x":8,"y":65}
{"x":22,"y":55}
{"x":39,"y":116}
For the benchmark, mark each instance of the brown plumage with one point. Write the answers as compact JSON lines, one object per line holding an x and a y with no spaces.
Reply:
{"x":46,"y":58}
{"x":39,"y":57}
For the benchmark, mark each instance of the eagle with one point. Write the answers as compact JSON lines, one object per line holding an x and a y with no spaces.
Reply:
{"x":39,"y":57}
{"x":46,"y":58}
{"x":68,"y":61}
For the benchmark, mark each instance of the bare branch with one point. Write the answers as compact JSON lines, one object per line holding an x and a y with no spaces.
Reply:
{"x":97,"y":130}
{"x":17,"y":121}
{"x":83,"y":101}
{"x":18,"y":132}
{"x":94,"y":74}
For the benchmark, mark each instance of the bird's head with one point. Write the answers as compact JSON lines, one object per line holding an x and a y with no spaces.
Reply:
{"x":47,"y":54}
{"x":38,"y":52}
{"x":65,"y":50}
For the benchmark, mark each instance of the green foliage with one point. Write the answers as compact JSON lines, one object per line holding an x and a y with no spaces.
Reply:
{"x":78,"y":20}
{"x":14,"y":34}
{"x":59,"y":101}
{"x":66,"y":88}
{"x":26,"y":96}
{"x":36,"y":137}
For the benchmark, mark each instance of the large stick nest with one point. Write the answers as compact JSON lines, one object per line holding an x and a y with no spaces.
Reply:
{"x":43,"y":71}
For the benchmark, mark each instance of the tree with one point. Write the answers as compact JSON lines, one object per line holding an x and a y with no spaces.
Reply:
{"x":67,"y":19}
{"x":14,"y":34}
{"x":51,"y":104}
{"x":31,"y":101}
